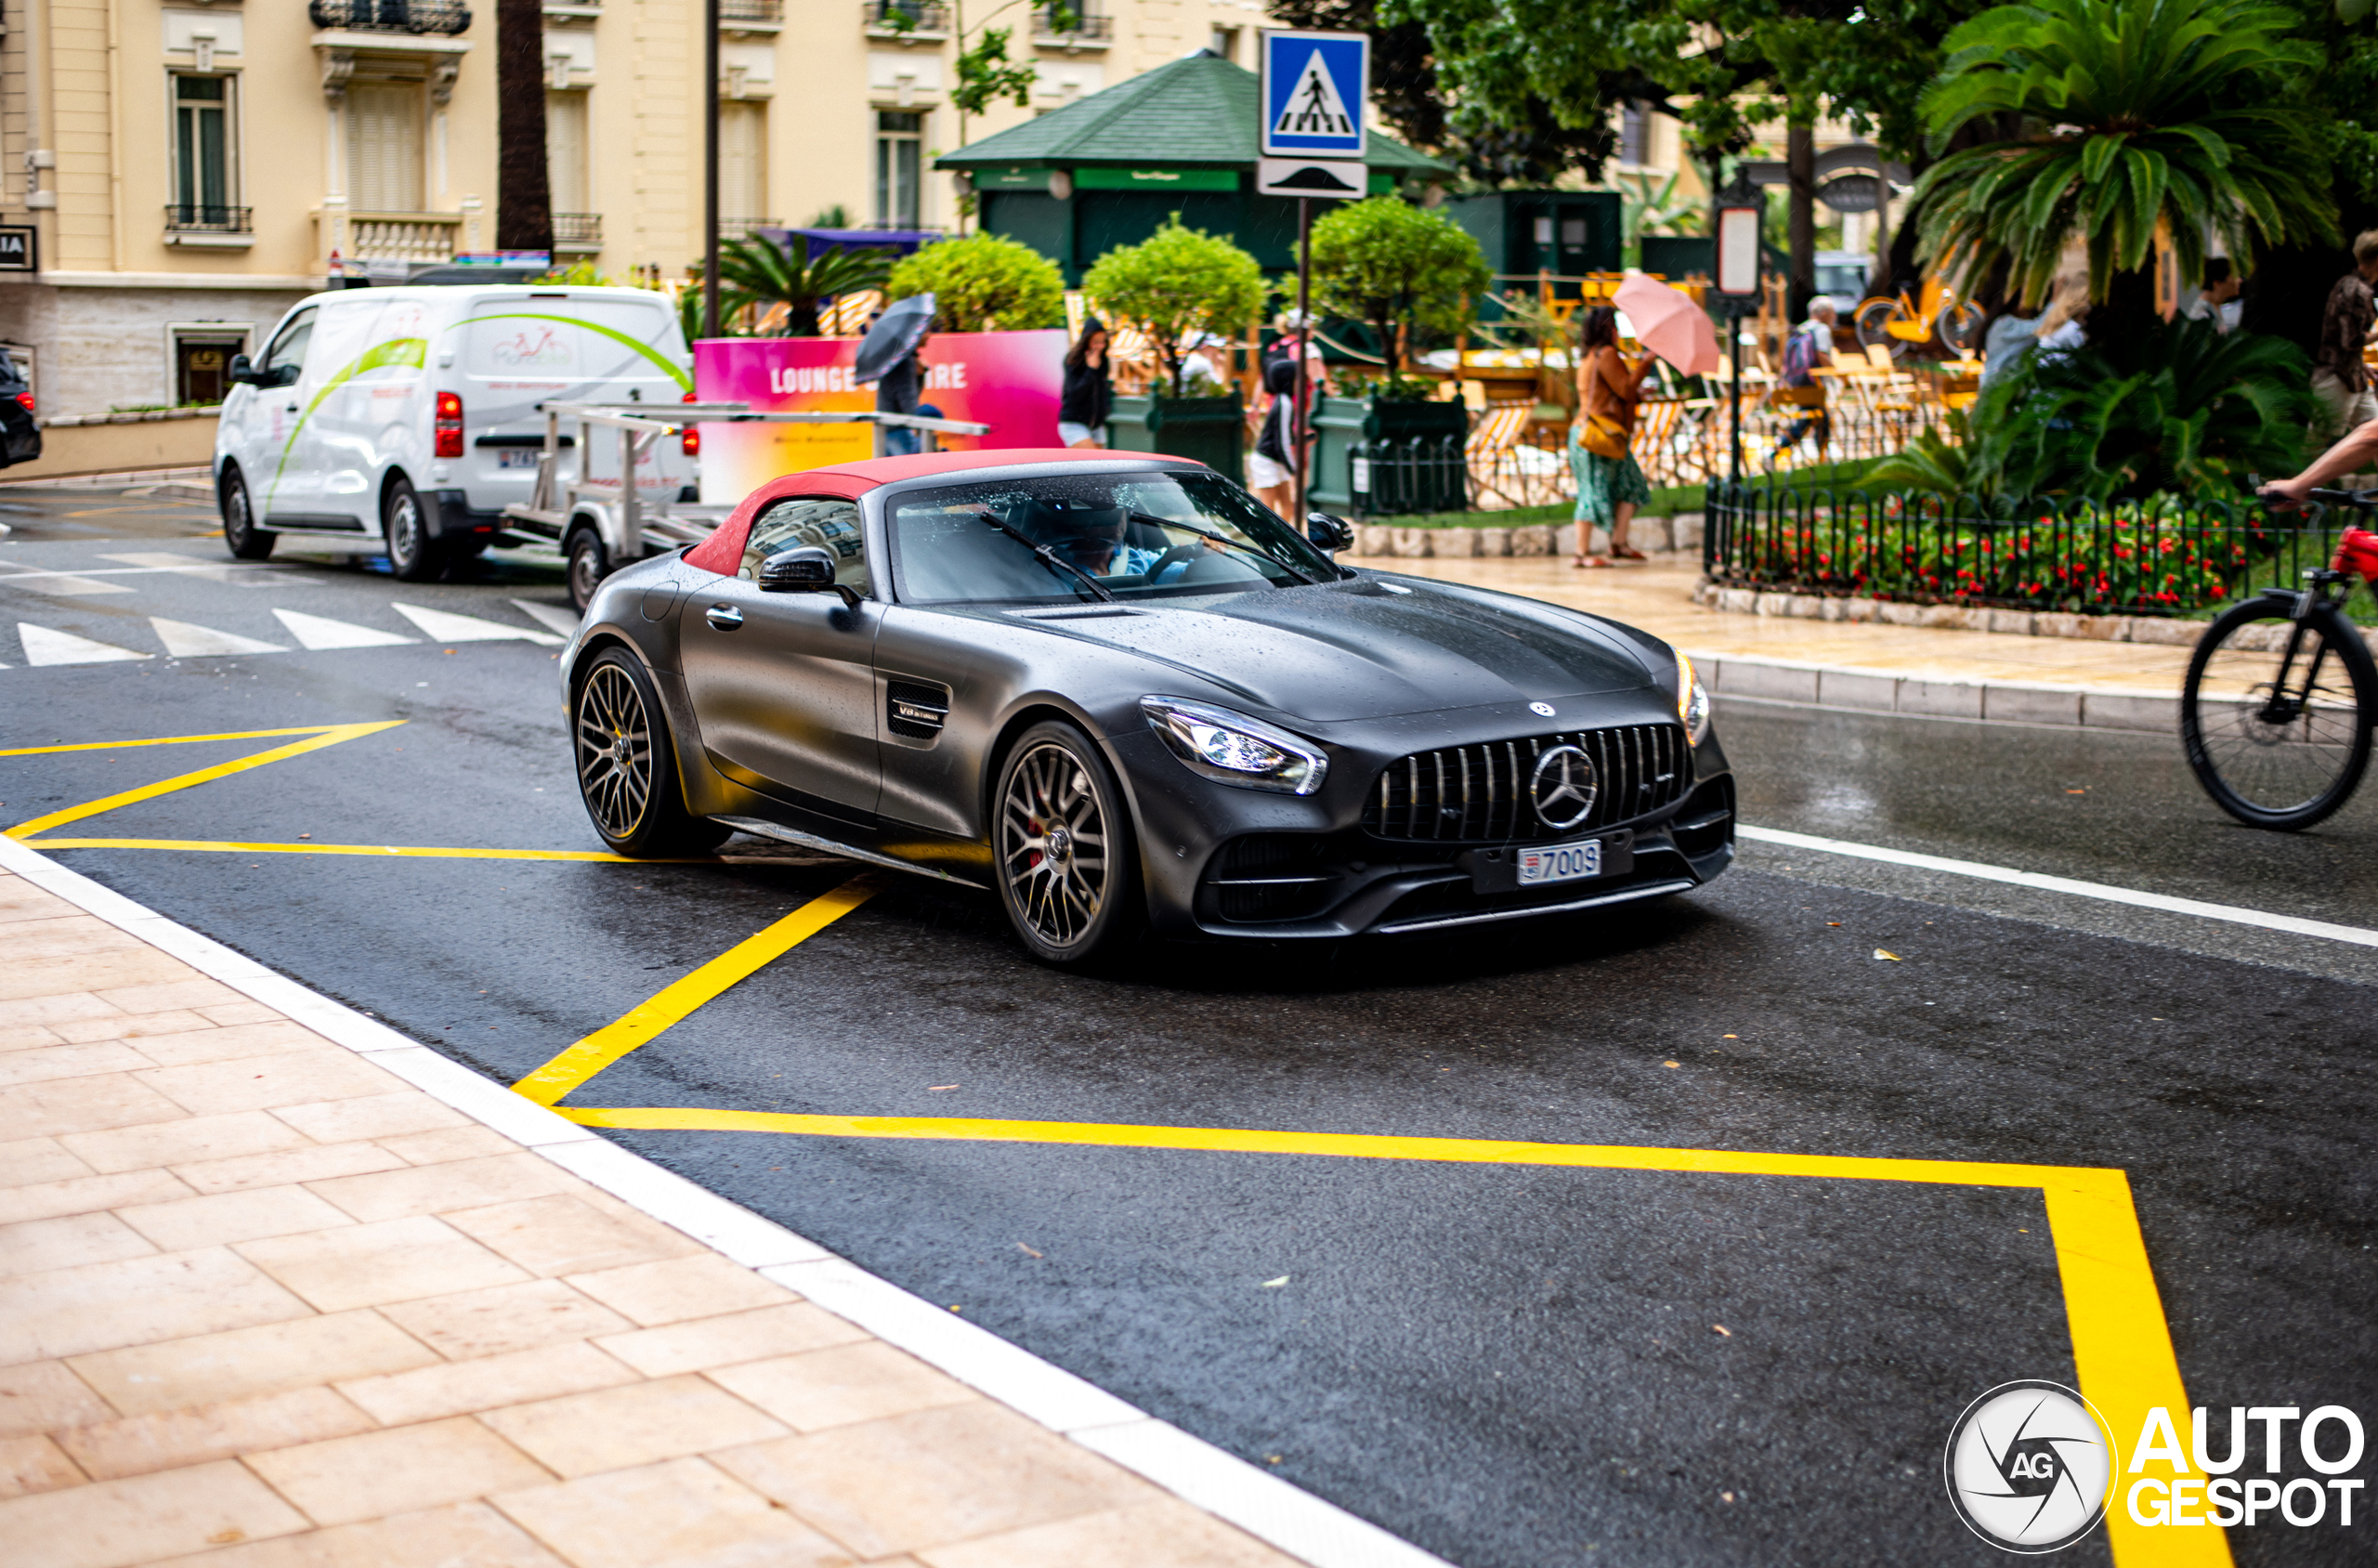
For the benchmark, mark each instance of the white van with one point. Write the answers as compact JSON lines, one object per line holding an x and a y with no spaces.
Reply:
{"x":403,"y":420}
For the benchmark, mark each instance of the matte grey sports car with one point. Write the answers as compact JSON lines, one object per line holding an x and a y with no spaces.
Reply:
{"x":1119,"y":693}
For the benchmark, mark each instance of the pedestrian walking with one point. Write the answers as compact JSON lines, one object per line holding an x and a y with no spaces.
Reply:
{"x":1809,"y":350}
{"x":1271,"y":468}
{"x":1610,"y":482}
{"x":898,"y":391}
{"x":1089,"y":394}
{"x":2218,"y":300}
{"x":2339,"y":379}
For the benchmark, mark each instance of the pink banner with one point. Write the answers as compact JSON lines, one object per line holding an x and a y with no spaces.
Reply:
{"x":1010,"y":381}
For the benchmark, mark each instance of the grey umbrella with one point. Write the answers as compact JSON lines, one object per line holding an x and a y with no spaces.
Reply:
{"x":894,"y":336}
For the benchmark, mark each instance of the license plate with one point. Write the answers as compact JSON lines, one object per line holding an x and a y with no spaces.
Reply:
{"x":518,"y":457}
{"x":1568,"y":862}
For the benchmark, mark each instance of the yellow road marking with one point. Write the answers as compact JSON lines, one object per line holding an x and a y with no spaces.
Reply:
{"x":330,"y":736}
{"x":647,"y":1020}
{"x":228,"y":846}
{"x":166,"y":740}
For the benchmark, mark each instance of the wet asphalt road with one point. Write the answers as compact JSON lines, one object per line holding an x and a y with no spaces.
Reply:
{"x":1510,"y":1366}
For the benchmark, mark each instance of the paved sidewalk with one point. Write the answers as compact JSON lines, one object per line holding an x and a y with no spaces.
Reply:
{"x":266,"y":1304}
{"x":1658,"y":596}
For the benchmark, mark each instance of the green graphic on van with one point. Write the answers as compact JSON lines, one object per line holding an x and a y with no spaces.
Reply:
{"x":411,"y":352}
{"x":679,"y":376}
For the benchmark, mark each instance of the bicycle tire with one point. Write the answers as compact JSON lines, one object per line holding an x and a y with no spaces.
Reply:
{"x":1872,"y":318}
{"x":2291,"y":763}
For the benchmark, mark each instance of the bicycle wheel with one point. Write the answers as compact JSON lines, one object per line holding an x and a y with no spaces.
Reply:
{"x":1960,"y":327}
{"x":1872,"y":322}
{"x":2275,"y":714}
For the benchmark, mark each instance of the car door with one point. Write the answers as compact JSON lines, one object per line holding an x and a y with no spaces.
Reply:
{"x":783,"y":685}
{"x":274,"y":415}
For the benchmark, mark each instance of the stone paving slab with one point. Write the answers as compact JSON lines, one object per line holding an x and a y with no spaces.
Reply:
{"x":263,"y":1303}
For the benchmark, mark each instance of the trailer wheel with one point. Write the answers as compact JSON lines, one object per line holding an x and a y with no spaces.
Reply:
{"x":589,"y":563}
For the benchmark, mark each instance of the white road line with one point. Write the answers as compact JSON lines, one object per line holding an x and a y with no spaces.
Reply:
{"x":553,"y":618}
{"x":184,"y":640}
{"x":445,"y":626}
{"x":321,"y":632}
{"x":44,"y":646}
{"x":2356,"y":935}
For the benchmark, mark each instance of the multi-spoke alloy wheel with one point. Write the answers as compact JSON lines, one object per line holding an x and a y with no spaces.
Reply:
{"x":614,"y":752}
{"x":2274,"y":716}
{"x":1063,"y":849}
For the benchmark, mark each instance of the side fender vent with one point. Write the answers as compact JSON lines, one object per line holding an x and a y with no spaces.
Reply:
{"x":915,"y":709}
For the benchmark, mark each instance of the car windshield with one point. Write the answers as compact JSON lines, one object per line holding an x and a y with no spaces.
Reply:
{"x":1089,"y":536}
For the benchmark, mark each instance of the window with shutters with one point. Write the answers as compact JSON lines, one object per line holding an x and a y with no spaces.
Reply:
{"x":383,"y":146}
{"x":743,"y":162}
{"x":206,"y":168}
{"x":567,"y":168}
{"x":899,"y":143}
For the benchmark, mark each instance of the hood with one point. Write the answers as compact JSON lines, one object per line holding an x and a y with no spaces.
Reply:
{"x":1354,"y":650}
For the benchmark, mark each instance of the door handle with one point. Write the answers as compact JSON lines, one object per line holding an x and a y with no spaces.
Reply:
{"x":726,"y":618}
{"x":290,"y":408}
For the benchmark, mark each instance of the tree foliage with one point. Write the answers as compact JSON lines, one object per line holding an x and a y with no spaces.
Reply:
{"x":2133,"y":114}
{"x":1390,"y":264}
{"x":761,"y":272}
{"x":1175,"y":282}
{"x":983,"y":283}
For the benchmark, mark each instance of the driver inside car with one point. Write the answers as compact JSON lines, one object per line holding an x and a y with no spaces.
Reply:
{"x":1093,"y":540}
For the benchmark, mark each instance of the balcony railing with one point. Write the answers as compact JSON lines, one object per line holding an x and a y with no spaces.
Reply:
{"x":1084,"y":28}
{"x":428,"y":237}
{"x":448,"y":17}
{"x":914,"y":18}
{"x":739,"y":228}
{"x":193,"y":217}
{"x":750,"y":13}
{"x":581,"y":232}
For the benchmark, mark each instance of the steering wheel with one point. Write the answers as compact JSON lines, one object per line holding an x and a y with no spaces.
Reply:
{"x":1180,"y":555}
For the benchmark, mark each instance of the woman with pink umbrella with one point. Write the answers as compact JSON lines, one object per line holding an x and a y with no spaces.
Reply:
{"x":1610,"y":387}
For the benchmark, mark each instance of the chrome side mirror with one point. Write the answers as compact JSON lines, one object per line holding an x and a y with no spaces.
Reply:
{"x":806,"y":568}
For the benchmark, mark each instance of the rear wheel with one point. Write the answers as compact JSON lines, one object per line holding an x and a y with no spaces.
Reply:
{"x":240,"y":536}
{"x":413,"y":555}
{"x":2275,"y":714}
{"x":1067,"y":866}
{"x":589,"y":563}
{"x":627,"y":770}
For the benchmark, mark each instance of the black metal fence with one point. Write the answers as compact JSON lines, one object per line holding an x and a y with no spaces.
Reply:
{"x":391,"y":16}
{"x":1398,"y":478}
{"x":2127,"y":559}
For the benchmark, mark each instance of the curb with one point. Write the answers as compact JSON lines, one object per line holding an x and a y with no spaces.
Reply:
{"x":1206,"y":1477}
{"x":2134,"y":709}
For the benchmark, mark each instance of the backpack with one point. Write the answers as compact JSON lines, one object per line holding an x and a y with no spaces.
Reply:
{"x":1799,"y":358}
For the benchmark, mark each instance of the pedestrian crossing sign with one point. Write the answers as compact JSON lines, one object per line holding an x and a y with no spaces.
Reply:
{"x":1316,"y":92}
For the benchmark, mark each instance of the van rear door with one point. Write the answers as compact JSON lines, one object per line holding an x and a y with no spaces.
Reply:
{"x":519,"y":349}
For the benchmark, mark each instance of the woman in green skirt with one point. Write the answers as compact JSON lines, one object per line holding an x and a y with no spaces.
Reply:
{"x":1610,"y":482}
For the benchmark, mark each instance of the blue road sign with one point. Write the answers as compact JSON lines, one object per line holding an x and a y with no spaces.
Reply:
{"x":1317,"y":93}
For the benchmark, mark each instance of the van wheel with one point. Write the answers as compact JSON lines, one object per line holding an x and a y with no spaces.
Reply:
{"x":589,"y":563}
{"x":240,"y":536}
{"x":411,"y":554}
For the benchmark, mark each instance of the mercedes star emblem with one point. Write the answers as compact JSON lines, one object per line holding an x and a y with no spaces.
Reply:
{"x":1563,"y":788}
{"x":1541,"y":710}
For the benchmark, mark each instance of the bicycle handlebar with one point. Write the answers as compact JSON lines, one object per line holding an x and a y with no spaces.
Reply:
{"x":2365,"y":499}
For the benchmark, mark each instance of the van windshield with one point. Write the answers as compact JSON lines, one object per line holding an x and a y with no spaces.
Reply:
{"x":571,"y":341}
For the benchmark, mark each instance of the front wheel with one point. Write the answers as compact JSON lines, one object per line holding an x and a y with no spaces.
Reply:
{"x":589,"y":563}
{"x":1067,"y":862}
{"x":240,"y":536}
{"x":627,"y":770}
{"x":411,"y":554}
{"x":1873,"y":322}
{"x":2276,"y":714}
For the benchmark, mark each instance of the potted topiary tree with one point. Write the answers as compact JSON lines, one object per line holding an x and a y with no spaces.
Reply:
{"x":982,"y":283}
{"x":1174,"y":285}
{"x":1403,"y":273}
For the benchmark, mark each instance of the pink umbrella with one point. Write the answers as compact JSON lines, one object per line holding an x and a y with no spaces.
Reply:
{"x":1669,"y":325}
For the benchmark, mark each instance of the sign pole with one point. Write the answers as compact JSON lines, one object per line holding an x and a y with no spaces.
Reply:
{"x":1740,"y":212}
{"x":1303,"y":406}
{"x":710,"y":168}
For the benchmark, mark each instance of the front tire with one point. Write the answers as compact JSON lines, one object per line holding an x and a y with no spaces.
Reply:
{"x":589,"y":563}
{"x":627,"y":769}
{"x":1067,"y":861}
{"x":240,"y":536}
{"x":1873,"y":324}
{"x":2277,"y":725}
{"x":412,"y":556}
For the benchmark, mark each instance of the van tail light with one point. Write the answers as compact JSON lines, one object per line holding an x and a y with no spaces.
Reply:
{"x":25,"y":400}
{"x":692,"y":439}
{"x":449,"y":424}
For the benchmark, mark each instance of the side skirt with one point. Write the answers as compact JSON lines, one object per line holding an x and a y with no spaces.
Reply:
{"x":758,"y":829}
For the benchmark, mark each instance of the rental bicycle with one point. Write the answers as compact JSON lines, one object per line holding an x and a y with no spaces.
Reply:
{"x":2282,"y":693}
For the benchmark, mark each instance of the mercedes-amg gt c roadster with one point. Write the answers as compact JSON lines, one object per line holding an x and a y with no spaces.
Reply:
{"x":1121,"y":695}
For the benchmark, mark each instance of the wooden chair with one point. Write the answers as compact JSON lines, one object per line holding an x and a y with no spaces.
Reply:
{"x":1491,"y":454}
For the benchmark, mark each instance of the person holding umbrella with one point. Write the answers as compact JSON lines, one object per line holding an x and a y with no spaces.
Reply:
{"x":1610,"y":482}
{"x":887,"y":355}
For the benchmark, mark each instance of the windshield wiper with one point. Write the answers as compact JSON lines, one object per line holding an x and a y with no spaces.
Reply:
{"x":1050,"y":558}
{"x":1225,"y":539}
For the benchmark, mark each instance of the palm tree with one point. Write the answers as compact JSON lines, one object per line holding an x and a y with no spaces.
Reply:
{"x":2120,"y":118}
{"x":761,"y":272}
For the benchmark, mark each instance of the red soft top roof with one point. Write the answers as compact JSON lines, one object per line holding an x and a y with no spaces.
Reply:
{"x":722,"y":552}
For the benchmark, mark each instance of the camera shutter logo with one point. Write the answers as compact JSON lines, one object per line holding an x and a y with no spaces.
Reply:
{"x":2030,"y":1466}
{"x":1563,"y":788}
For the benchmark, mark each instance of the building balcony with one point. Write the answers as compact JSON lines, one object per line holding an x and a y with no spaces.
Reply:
{"x":199,"y":225}
{"x":1086,"y":31}
{"x":925,"y":21}
{"x":749,"y":16}
{"x":742,"y":227}
{"x":577,"y":233}
{"x":407,"y":237}
{"x":444,"y":17}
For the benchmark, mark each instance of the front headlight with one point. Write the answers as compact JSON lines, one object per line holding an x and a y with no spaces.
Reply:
{"x":1233,"y":748}
{"x":1692,"y":702}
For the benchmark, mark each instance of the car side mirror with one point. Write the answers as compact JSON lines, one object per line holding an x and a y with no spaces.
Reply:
{"x":1330,"y":533}
{"x":242,"y":372}
{"x":806,"y":568}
